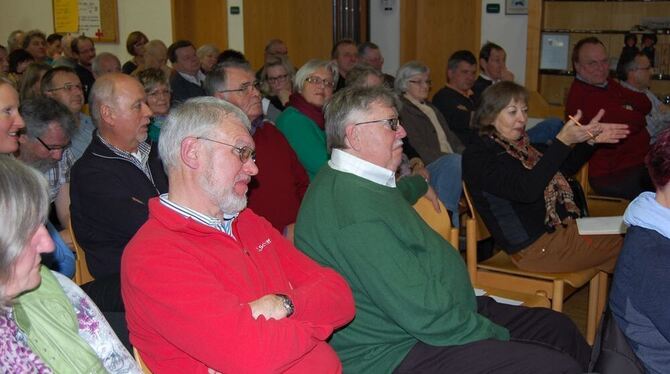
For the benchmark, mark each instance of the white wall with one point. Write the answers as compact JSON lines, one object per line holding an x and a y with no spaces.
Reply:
{"x":153,"y":17}
{"x":385,"y":32}
{"x":510,"y":32}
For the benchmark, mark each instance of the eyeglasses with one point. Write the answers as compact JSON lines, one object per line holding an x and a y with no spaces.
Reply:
{"x":392,"y":123}
{"x":427,"y":82}
{"x":68,"y":87}
{"x":318,"y":81}
{"x":157,"y":93}
{"x":245,"y":88}
{"x":244,"y":153}
{"x":277,"y":79}
{"x":53,"y":148}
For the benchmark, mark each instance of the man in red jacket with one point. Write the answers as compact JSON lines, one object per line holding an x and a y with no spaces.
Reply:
{"x":276,"y":192}
{"x":614,"y":169}
{"x":209,"y":284}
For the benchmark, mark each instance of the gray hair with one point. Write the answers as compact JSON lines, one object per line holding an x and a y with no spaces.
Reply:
{"x":358,"y":75}
{"x":206,"y":49}
{"x":407,"y":71}
{"x":14,"y":40}
{"x":217,"y":78}
{"x":101,"y":93}
{"x":349,"y":103}
{"x":196,"y":117}
{"x":24,"y":203}
{"x":309,"y":68}
{"x":40,"y":112}
{"x":152,"y":77}
{"x":96,"y":64}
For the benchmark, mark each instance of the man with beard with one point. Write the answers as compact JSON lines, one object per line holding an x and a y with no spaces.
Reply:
{"x":45,"y":146}
{"x":276,"y":193}
{"x":209,"y":284}
{"x":111,"y":184}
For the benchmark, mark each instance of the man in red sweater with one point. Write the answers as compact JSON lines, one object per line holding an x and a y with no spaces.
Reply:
{"x":276,"y":192}
{"x":209,"y":284}
{"x":614,"y":169}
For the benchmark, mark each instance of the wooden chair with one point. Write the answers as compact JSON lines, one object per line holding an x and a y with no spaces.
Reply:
{"x":140,"y":363}
{"x":600,"y":206}
{"x":499,"y":271}
{"x":81,"y":274}
{"x":441,"y":223}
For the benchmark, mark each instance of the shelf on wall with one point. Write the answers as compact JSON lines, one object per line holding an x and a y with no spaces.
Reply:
{"x":569,"y":73}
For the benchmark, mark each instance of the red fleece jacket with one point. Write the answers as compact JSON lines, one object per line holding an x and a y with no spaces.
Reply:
{"x":621,"y":106}
{"x":187,"y":286}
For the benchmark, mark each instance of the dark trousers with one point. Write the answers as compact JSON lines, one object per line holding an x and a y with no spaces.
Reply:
{"x":541,"y":341}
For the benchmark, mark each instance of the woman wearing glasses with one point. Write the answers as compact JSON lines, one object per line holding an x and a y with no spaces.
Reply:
{"x":426,"y":128}
{"x":157,"y":88}
{"x":277,"y":78}
{"x":302,"y":123}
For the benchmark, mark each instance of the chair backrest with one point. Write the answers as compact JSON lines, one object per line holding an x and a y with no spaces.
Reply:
{"x":81,"y":275}
{"x":482,"y":231}
{"x":141,"y":363}
{"x":440,"y":222}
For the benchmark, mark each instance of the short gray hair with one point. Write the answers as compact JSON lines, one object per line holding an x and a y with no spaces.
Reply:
{"x":96,"y":64}
{"x":358,"y":75}
{"x":41,"y":111}
{"x":407,"y":71}
{"x":24,"y":203}
{"x":196,"y":117}
{"x":310,"y":67}
{"x":206,"y":49}
{"x":216,"y":79}
{"x":101,"y":93}
{"x":350,"y":102}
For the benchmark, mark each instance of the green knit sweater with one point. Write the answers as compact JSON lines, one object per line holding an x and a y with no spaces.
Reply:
{"x":306,"y":138}
{"x":409,"y":284}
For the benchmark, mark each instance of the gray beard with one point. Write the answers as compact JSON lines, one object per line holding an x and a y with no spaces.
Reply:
{"x":225,"y":199}
{"x":44,"y":165}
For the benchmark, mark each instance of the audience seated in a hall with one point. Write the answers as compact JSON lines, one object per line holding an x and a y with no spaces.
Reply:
{"x":157,"y":88}
{"x":276,"y":193}
{"x":207,"y":55}
{"x":276,"y":85}
{"x":640,"y":289}
{"x":415,"y":308}
{"x":212,"y":285}
{"x":274,"y":48}
{"x":35,"y":43}
{"x":521,"y":191}
{"x":427,"y":130}
{"x":455,"y":99}
{"x":370,"y":54}
{"x":302,"y":122}
{"x":63,"y":85}
{"x":186,"y":81}
{"x":635,"y":74}
{"x":105,"y":63}
{"x":48,"y":323}
{"x":135,"y":43}
{"x":615,"y":170}
{"x":111,"y":184}
{"x":345,"y":55}
{"x":44,"y":145}
{"x":83,"y":48}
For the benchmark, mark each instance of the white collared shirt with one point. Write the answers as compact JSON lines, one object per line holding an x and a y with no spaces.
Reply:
{"x":347,"y":163}
{"x":195,"y":79}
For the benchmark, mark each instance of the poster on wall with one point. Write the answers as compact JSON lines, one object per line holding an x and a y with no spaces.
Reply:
{"x":97,"y":19}
{"x":89,"y":17}
{"x":554,"y":53}
{"x":516,"y":7}
{"x":66,"y":16}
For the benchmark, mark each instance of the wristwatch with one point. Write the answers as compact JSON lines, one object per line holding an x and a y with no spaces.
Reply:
{"x":288,"y":304}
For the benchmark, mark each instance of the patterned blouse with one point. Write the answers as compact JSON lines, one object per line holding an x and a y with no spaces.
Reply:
{"x":16,"y":355}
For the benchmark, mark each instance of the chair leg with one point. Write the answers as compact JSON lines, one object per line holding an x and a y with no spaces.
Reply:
{"x":557,"y":297}
{"x":592,"y":313}
{"x":602,"y":294}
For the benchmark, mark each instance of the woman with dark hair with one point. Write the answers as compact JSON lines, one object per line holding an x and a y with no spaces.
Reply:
{"x":135,"y":46}
{"x":19,"y":60}
{"x":521,"y":192}
{"x":640,"y":289}
{"x":47,"y":323}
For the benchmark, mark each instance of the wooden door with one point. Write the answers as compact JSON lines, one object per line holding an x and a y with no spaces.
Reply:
{"x":431,"y":30}
{"x":306,"y":26}
{"x":201,"y":22}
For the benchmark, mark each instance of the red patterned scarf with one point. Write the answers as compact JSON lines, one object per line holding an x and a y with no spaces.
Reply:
{"x":557,"y":191}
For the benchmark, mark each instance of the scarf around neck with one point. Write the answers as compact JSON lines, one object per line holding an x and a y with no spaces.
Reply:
{"x":558,"y":190}
{"x":647,"y":213}
{"x":312,"y":111}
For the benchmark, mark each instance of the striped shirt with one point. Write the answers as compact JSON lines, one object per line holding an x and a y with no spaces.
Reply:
{"x":139,"y":158}
{"x":59,"y":174}
{"x":225,"y":225}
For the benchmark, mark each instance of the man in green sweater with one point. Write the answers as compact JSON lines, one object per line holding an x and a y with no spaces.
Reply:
{"x":415,"y":307}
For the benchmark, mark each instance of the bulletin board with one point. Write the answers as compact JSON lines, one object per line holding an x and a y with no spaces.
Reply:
{"x":97,"y":19}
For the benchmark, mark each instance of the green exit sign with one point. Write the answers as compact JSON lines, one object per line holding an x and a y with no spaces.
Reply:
{"x":492,"y":8}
